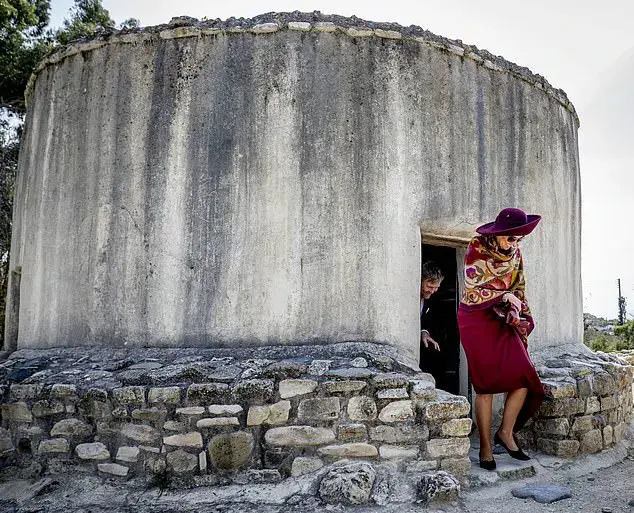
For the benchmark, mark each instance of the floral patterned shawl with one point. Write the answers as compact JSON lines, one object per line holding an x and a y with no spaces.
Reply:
{"x":491,"y":273}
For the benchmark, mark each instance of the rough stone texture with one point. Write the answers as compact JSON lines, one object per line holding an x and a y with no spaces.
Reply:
{"x":591,"y":442}
{"x":47,"y":408}
{"x":361,"y":408}
{"x":459,"y":467}
{"x":192,"y":440}
{"x":128,"y":454}
{"x":17,"y":412}
{"x":294,"y":387}
{"x":456,"y":427}
{"x":350,"y":450}
{"x":562,"y":407}
{"x":543,"y":493}
{"x":53,"y":446}
{"x":180,"y":461}
{"x":444,"y":406}
{"x":423,"y":388}
{"x":216,"y":422}
{"x":318,"y":409}
{"x":398,"y":452}
{"x":397,"y":411}
{"x":343,"y":387}
{"x":140,"y":433}
{"x":302,"y":465}
{"x":262,"y":282}
{"x":92,"y":451}
{"x":164,"y":395}
{"x":441,"y":447}
{"x":298,"y":436}
{"x":560,"y":448}
{"x":113,"y":469}
{"x":593,"y":405}
{"x":271,"y":415}
{"x":207,"y":393}
{"x":392,"y":393}
{"x":352,"y":432}
{"x":129,"y":395}
{"x":230,"y":451}
{"x":558,"y":426}
{"x":149,"y":414}
{"x":72,"y":428}
{"x":348,"y":484}
{"x":225,"y":410}
{"x":437,"y":486}
{"x":399,"y":433}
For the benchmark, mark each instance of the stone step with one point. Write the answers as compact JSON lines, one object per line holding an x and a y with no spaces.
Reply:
{"x":508,"y":469}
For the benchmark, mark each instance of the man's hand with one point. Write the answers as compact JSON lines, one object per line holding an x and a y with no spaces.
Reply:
{"x":426,"y":339}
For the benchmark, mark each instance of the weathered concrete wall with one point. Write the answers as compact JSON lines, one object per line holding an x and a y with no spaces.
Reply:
{"x":240,"y":188}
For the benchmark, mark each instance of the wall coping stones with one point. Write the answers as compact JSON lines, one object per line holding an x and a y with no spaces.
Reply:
{"x":275,"y":22}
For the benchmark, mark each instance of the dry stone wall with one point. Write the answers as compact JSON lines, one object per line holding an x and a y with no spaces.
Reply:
{"x":588,"y":407}
{"x":221,"y":420}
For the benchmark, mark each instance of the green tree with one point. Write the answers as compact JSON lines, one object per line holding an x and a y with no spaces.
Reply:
{"x":626,"y":334}
{"x":88,"y":17}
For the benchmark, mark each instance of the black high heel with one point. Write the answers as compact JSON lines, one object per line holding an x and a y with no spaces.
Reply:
{"x":488,"y":464}
{"x":518,"y":455}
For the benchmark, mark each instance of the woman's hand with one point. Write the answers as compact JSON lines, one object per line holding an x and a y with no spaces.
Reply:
{"x":514,"y":300}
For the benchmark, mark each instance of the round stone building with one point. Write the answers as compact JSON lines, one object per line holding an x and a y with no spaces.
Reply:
{"x":217,"y":243}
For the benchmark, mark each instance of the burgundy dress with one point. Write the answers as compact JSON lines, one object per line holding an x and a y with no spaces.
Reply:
{"x":497,"y":357}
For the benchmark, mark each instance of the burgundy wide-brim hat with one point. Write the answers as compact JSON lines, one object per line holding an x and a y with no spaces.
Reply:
{"x":510,"y":221}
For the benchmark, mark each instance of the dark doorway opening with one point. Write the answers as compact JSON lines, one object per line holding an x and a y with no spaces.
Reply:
{"x":441,"y":321}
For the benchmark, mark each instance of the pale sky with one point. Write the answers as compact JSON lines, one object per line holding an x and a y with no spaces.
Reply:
{"x":585,"y":47}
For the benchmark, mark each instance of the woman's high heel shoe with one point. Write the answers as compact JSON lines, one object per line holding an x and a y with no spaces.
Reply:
{"x":488,"y":464}
{"x":518,"y":455}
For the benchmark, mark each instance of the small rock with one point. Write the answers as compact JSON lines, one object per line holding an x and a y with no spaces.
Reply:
{"x":349,"y":484}
{"x":92,"y":451}
{"x":293,"y":387}
{"x":359,"y":362}
{"x":303,"y":465}
{"x":192,"y":440}
{"x":180,"y":461}
{"x":542,"y":492}
{"x":231,"y":451}
{"x":128,"y":454}
{"x":437,"y":486}
{"x":113,"y":469}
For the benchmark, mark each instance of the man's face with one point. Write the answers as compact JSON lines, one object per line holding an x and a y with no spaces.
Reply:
{"x":429,"y":287}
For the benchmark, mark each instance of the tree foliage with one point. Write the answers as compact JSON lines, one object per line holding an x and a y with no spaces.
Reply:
{"x":626,"y":334}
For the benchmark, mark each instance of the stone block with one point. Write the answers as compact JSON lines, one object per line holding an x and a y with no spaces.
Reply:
{"x":319,"y":367}
{"x":416,"y":467}
{"x":582,"y":424}
{"x":591,"y":442}
{"x":293,"y":387}
{"x":285,"y":369}
{"x":560,"y":388}
{"x":149,"y":414}
{"x":128,"y":454}
{"x":120,"y":413}
{"x":231,"y":451}
{"x":604,"y":384}
{"x":54,"y":446}
{"x":585,"y":387}
{"x":191,"y":411}
{"x":558,"y":426}
{"x":607,"y":403}
{"x":447,"y":447}
{"x":303,"y":465}
{"x":349,"y":485}
{"x":113,"y":469}
{"x":74,"y":429}
{"x":207,"y":393}
{"x":390,"y":380}
{"x":265,"y":28}
{"x":133,"y":395}
{"x":182,"y":462}
{"x":361,"y":408}
{"x":402,"y":433}
{"x":350,"y":374}
{"x":397,"y":411}
{"x":202,"y":462}
{"x":254,"y":391}
{"x":619,"y":432}
{"x":172,"y":425}
{"x":191,"y":440}
{"x":92,"y":451}
{"x":6,"y":443}
{"x":17,"y":412}
{"x":301,"y":26}
{"x":299,"y":436}
{"x":400,"y":452}
{"x":257,"y":415}
{"x":217,"y":422}
{"x":387,"y":34}
{"x":559,"y":448}
{"x":438,"y":486}
{"x":352,"y":432}
{"x":459,"y":467}
{"x":319,"y":409}
{"x":19,"y":393}
{"x":64,"y":391}
{"x":359,"y":31}
{"x":392,"y":393}
{"x":423,"y":388}
{"x":351,"y":450}
{"x":343,"y":387}
{"x":592,"y":405}
{"x":608,"y":436}
{"x":456,"y":427}
{"x":271,"y":415}
{"x":225,"y":410}
{"x":324,"y":26}
{"x":140,"y":433}
{"x":444,"y":406}
{"x":164,"y":395}
{"x":562,"y":407}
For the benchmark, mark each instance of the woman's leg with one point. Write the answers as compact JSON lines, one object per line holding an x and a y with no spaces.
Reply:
{"x":484,"y":407}
{"x":512,"y":406}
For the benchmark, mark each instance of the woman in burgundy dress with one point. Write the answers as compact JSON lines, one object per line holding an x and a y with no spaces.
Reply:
{"x":494,"y":322}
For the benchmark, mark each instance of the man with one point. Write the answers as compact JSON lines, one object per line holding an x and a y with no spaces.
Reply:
{"x":430,"y":359}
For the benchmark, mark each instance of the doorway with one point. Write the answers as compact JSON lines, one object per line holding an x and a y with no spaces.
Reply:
{"x":441,"y":321}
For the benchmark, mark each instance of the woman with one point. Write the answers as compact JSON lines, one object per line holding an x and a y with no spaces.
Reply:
{"x":494,"y":322}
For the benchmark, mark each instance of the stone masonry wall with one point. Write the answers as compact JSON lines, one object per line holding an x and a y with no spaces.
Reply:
{"x":588,"y":407}
{"x":213,"y":420}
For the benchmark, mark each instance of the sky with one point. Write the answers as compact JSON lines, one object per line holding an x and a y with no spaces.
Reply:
{"x":584,"y":47}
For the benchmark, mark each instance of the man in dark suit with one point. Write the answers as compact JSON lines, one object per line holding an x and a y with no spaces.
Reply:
{"x":431,"y":359}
